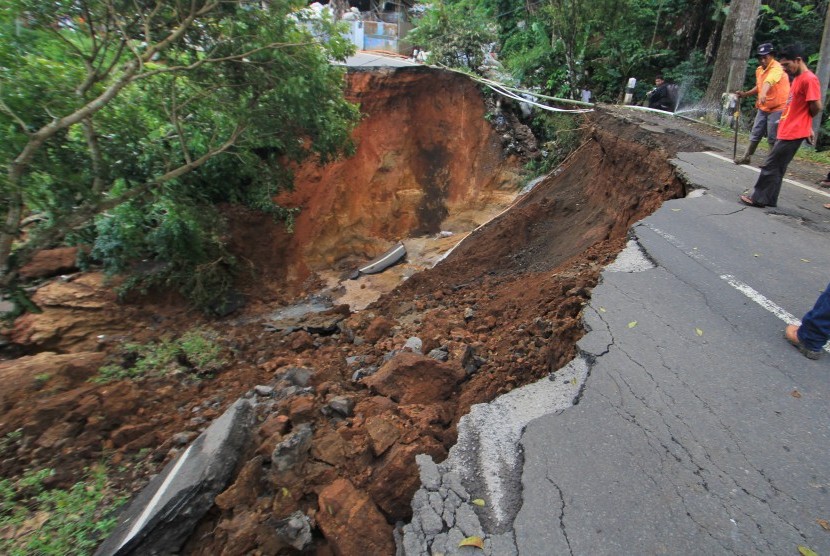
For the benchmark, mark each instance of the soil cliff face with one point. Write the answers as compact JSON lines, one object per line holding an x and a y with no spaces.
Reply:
{"x":425,"y":156}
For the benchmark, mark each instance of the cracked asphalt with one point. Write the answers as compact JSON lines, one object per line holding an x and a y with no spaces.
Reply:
{"x":700,"y":430}
{"x":688,"y":425}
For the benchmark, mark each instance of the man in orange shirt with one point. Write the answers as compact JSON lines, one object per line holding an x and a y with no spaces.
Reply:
{"x":772,"y":87}
{"x":796,"y":125}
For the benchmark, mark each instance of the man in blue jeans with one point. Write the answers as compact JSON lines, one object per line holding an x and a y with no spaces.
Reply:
{"x":814,"y":331}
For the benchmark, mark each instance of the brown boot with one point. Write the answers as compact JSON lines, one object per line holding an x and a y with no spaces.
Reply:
{"x":747,"y":157}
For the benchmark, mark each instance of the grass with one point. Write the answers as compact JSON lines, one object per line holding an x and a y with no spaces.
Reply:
{"x":37,"y":520}
{"x":196,"y":353}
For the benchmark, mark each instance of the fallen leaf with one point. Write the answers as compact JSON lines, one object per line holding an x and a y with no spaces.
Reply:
{"x":675,"y":210}
{"x":795,"y":394}
{"x":478,"y":502}
{"x":285,"y":492}
{"x":806,"y":551}
{"x":602,"y":309}
{"x":632,"y":324}
{"x":805,"y":260}
{"x":476,"y":542}
{"x":824,"y":524}
{"x":698,"y":331}
{"x":573,"y":381}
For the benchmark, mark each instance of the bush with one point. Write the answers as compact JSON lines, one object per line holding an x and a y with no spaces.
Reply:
{"x":57,"y":522}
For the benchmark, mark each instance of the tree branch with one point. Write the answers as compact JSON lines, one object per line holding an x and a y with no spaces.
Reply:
{"x":8,"y":111}
{"x":198,"y":63}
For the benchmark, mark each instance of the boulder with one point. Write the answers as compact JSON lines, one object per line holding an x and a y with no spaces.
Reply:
{"x":161,"y":517}
{"x":409,"y":378}
{"x":351,"y":522}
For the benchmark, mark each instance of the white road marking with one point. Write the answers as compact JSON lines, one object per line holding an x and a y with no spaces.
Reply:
{"x":154,"y":502}
{"x":745,"y":289}
{"x":787,"y":180}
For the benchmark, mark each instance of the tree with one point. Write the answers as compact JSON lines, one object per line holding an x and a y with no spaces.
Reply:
{"x":456,"y":33}
{"x":734,"y":50}
{"x":127,"y":120}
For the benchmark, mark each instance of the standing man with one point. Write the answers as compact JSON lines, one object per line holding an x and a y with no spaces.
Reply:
{"x":795,"y":126}
{"x":772,"y":87}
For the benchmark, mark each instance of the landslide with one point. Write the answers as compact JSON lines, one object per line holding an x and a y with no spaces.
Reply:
{"x":504,"y":308}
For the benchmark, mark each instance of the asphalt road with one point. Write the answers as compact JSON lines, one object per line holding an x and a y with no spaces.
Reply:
{"x":700,"y":430}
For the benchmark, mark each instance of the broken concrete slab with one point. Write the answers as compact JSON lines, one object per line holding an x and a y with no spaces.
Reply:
{"x":162,"y":516}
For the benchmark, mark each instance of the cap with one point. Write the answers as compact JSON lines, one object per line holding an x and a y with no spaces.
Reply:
{"x":764,"y":49}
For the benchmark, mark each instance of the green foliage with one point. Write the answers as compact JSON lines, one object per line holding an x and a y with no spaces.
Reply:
{"x":56,"y":522}
{"x":196,"y":353}
{"x":456,"y":33}
{"x":10,"y":439}
{"x":559,"y":135}
{"x":255,"y":92}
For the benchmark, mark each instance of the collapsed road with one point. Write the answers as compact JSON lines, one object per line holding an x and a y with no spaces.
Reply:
{"x":340,"y":416}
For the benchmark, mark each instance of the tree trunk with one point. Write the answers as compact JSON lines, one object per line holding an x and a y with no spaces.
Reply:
{"x":823,"y":69}
{"x":733,"y":51}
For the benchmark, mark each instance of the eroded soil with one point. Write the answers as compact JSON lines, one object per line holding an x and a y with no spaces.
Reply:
{"x":504,"y":306}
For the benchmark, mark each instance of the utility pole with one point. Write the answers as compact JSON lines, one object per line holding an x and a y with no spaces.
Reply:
{"x":823,"y":69}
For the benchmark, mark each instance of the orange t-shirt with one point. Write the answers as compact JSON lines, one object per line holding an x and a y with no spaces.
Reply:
{"x":796,"y":121}
{"x":779,"y":89}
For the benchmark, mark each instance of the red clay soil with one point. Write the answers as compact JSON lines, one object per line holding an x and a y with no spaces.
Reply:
{"x":508,"y":299}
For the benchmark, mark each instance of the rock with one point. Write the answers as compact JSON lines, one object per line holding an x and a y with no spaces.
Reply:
{"x":382,"y":434}
{"x":429,"y":474}
{"x":351,"y":522}
{"x":377,"y":329}
{"x":62,"y":326}
{"x":179,"y":496}
{"x":342,"y":406}
{"x":264,"y":391}
{"x":414,"y":345}
{"x":471,"y":362}
{"x":243,"y":492}
{"x":360,"y":374}
{"x":298,"y":376}
{"x":293,"y":450}
{"x":295,"y":530}
{"x":23,"y":376}
{"x":57,"y":434}
{"x":51,"y":262}
{"x":410,"y":378}
{"x":301,"y":410}
{"x":330,"y":448}
{"x":128,"y":433}
{"x":440,"y":354}
{"x":397,"y":479}
{"x":469,"y":314}
{"x":274,"y":424}
{"x":301,"y":341}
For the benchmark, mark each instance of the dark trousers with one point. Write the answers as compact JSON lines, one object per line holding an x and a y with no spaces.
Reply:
{"x":815,"y":326}
{"x":768,"y":185}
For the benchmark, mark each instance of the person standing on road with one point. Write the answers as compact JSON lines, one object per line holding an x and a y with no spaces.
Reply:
{"x":814,"y":331}
{"x":772,"y":86}
{"x":795,"y":126}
